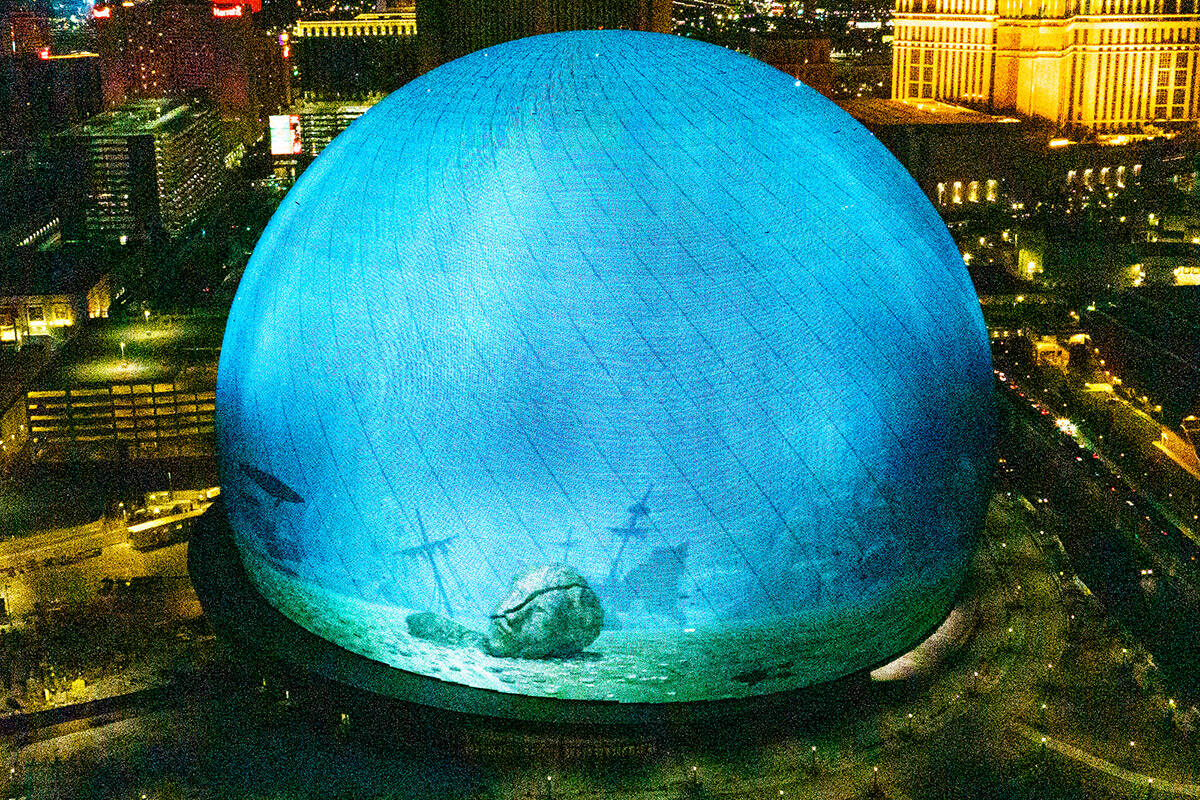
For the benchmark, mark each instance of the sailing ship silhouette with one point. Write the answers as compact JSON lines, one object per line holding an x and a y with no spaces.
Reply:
{"x":630,"y":530}
{"x":428,"y":551}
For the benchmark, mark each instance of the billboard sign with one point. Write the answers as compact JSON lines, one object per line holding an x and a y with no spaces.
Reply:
{"x":285,"y":135}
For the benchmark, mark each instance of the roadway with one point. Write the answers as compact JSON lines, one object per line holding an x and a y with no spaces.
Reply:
{"x":68,"y":567}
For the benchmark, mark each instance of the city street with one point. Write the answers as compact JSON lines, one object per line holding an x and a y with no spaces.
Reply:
{"x":67,"y":566}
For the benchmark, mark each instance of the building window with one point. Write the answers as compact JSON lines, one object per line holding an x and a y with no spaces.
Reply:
{"x":958,"y":193}
{"x":1171,"y":82}
{"x":993,"y":190}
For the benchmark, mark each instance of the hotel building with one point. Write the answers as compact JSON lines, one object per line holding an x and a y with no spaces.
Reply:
{"x":1100,"y":65}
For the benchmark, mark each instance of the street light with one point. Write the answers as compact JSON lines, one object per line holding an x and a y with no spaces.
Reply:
{"x":122,"y":351}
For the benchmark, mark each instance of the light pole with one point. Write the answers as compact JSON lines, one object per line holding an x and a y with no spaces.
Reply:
{"x":122,"y":352}
{"x":549,"y":787}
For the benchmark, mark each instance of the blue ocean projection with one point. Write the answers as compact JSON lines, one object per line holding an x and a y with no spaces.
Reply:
{"x":612,"y":366}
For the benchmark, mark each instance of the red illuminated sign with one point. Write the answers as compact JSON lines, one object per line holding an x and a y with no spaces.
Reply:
{"x":235,"y":8}
{"x":287,"y":51}
{"x":101,"y":12}
{"x":44,"y":53}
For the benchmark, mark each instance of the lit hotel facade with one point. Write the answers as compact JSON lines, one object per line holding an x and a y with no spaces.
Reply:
{"x":1102,"y":65}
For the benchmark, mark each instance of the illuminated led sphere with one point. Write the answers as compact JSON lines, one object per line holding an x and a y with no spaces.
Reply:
{"x":628,"y":303}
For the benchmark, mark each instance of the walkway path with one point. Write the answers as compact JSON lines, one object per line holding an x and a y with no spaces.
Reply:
{"x":1134,"y":779}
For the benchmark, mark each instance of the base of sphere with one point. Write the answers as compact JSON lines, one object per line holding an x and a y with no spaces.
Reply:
{"x":239,"y":611}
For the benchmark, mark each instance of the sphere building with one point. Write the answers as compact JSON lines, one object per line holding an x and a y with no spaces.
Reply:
{"x":626,"y":345}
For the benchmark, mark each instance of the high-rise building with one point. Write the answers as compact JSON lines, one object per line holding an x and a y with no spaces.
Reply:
{"x":1102,"y":65}
{"x":181,"y":48}
{"x":42,"y":94}
{"x":453,"y":28}
{"x":372,"y":54}
{"x":145,"y":170}
{"x":29,"y":217}
{"x":23,"y":32}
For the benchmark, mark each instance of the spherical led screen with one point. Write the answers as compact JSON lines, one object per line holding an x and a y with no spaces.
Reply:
{"x":609,"y":366}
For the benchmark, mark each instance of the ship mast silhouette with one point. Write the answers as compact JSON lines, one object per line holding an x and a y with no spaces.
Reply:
{"x":630,"y":530}
{"x":428,"y":550}
{"x":568,"y":545}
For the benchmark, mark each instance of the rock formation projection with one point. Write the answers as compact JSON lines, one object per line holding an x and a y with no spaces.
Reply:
{"x":550,"y":612}
{"x":433,"y":628}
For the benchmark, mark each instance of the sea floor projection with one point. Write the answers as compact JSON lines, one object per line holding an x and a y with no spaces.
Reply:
{"x":642,"y":665}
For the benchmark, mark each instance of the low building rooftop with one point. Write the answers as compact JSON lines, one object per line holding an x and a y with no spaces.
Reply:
{"x":138,"y":117}
{"x":877,"y":111}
